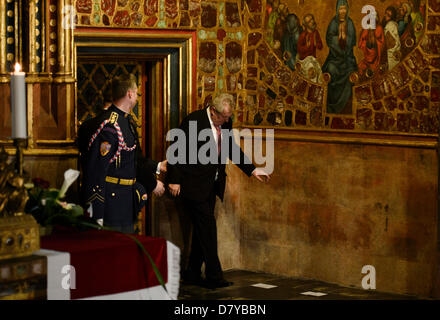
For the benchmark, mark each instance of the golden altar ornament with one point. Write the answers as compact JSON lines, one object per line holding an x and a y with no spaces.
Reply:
{"x":19,"y":236}
{"x":19,"y":232}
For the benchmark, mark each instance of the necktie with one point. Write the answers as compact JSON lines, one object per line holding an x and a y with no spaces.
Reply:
{"x":219,"y":139}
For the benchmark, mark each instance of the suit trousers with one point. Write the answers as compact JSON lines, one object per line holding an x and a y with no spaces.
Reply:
{"x":204,"y":238}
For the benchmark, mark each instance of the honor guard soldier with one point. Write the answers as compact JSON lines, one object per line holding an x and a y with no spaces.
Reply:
{"x":110,"y":155}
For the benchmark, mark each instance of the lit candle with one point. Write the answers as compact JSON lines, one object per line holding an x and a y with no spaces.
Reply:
{"x":18,"y":103}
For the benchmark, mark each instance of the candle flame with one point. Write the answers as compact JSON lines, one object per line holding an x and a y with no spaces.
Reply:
{"x":17,"y":67}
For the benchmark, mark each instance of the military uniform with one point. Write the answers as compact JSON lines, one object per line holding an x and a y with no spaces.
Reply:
{"x":109,"y":149}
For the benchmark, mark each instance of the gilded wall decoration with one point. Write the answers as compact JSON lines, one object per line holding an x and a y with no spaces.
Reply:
{"x":274,"y":57}
{"x":248,"y":48}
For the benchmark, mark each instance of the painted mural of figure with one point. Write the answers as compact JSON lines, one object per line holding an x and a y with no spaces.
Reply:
{"x":280,"y":28}
{"x":417,"y":19}
{"x":392,"y":39}
{"x":309,"y":41}
{"x":406,"y":31}
{"x":290,"y":39}
{"x":271,"y":22}
{"x":371,"y":42}
{"x":341,"y":62}
{"x":422,"y":7}
{"x":404,"y":18}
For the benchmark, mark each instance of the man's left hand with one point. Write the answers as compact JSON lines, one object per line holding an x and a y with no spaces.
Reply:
{"x":261,"y":175}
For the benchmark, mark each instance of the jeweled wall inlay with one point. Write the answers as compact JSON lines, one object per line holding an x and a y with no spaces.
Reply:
{"x":277,"y":58}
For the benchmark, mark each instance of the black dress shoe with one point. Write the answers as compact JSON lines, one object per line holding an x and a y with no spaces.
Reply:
{"x":215,"y":284}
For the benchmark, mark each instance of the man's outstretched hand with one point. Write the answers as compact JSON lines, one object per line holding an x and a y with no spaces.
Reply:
{"x":174,"y":189}
{"x":260,"y":175}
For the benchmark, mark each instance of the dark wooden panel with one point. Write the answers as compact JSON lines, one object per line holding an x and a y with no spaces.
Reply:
{"x":5,"y":111}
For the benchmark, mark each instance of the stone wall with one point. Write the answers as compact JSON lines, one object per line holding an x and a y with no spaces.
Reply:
{"x":327,"y":217}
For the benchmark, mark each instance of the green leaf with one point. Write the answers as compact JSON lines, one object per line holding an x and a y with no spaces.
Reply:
{"x":77,"y":211}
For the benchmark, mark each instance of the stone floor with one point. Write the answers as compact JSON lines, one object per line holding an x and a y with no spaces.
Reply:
{"x":283,"y":289}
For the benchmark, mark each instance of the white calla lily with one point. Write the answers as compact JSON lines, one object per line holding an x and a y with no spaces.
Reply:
{"x":69,"y":177}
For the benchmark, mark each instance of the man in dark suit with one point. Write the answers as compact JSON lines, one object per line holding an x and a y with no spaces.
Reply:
{"x":198,"y":182}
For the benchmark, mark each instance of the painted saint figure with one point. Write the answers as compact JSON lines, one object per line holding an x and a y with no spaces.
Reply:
{"x":371,"y":42}
{"x":405,"y":27}
{"x":309,"y":41}
{"x":341,"y":62}
{"x":417,"y":19}
{"x":271,"y":22}
{"x":392,"y":39}
{"x":290,"y":39}
{"x":404,"y":18}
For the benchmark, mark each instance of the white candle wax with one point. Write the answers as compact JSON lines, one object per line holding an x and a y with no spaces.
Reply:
{"x":18,"y":104}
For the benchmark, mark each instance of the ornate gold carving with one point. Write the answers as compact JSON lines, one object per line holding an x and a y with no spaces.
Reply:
{"x":2,"y":39}
{"x":424,"y":141}
{"x":19,"y":236}
{"x":18,"y":232}
{"x":18,"y":32}
{"x":32,"y":37}
{"x":61,"y":39}
{"x":69,"y":45}
{"x":55,"y":150}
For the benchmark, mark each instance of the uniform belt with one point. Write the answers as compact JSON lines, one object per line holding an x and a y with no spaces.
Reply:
{"x":125,"y":182}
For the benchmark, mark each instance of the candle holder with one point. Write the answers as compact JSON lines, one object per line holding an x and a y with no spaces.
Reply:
{"x":20,"y":144}
{"x":19,"y":232}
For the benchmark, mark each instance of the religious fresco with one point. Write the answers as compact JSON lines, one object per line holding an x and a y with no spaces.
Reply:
{"x":381,"y":43}
{"x":296,"y":64}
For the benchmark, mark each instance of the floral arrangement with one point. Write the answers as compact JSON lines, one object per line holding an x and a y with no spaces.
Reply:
{"x":46,"y":205}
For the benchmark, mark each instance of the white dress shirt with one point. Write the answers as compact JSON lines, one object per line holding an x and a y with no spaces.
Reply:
{"x":214,"y":133}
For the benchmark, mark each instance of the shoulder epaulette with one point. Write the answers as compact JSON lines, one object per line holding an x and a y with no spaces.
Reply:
{"x":113,"y":117}
{"x":121,"y":143}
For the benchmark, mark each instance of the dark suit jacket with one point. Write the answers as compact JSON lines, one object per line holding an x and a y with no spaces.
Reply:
{"x":197,"y":180}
